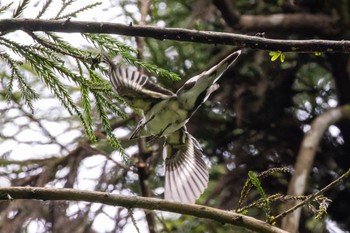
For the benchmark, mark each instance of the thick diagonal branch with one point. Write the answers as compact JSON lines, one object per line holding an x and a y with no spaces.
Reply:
{"x":138,"y":202}
{"x":178,"y":34}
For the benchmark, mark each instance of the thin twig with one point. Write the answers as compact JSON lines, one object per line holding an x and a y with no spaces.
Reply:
{"x":305,"y":159}
{"x":314,"y":195}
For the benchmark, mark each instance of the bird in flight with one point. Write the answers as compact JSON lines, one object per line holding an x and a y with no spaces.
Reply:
{"x":165,"y":114}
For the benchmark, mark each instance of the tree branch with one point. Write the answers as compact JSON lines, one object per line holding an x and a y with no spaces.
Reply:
{"x":222,"y":216}
{"x":312,"y":196}
{"x":311,"y":24}
{"x":143,"y":154}
{"x":306,"y":158}
{"x":178,"y":34}
{"x":305,"y":23}
{"x":228,"y":12}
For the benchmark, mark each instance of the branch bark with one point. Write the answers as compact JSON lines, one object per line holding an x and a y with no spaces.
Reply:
{"x":143,"y":155}
{"x":306,"y":158}
{"x":178,"y":34}
{"x":311,"y":24}
{"x":200,"y":211}
{"x":305,"y":23}
{"x":228,"y":12}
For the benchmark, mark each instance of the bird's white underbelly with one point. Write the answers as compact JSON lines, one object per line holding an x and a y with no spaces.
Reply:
{"x":165,"y":118}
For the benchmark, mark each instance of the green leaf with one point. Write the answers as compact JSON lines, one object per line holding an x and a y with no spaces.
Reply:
{"x":44,"y":8}
{"x":21,"y":6}
{"x":277,"y":54}
{"x":256,"y":182}
{"x":5,"y":7}
{"x":282,"y":56}
{"x":266,"y":203}
{"x":274,"y":55}
{"x":114,"y":47}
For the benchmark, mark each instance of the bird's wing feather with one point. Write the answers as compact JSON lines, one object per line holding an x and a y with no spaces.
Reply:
{"x":137,"y":88}
{"x":198,"y":88}
{"x":127,"y":80}
{"x":186,"y":174}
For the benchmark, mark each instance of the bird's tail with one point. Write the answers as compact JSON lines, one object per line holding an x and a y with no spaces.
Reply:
{"x":186,"y":174}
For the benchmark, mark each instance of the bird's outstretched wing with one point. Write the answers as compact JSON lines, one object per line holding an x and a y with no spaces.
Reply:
{"x":198,"y":88}
{"x":138,"y":89}
{"x":186,"y":174}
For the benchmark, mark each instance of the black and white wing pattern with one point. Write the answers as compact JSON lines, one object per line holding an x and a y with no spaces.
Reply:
{"x":198,"y":88}
{"x":186,"y":174}
{"x":137,"y":88}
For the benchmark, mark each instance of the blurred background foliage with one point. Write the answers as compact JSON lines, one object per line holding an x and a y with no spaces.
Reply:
{"x":255,"y":121}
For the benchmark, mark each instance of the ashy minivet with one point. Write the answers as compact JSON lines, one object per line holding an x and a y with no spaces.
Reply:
{"x":165,"y":114}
